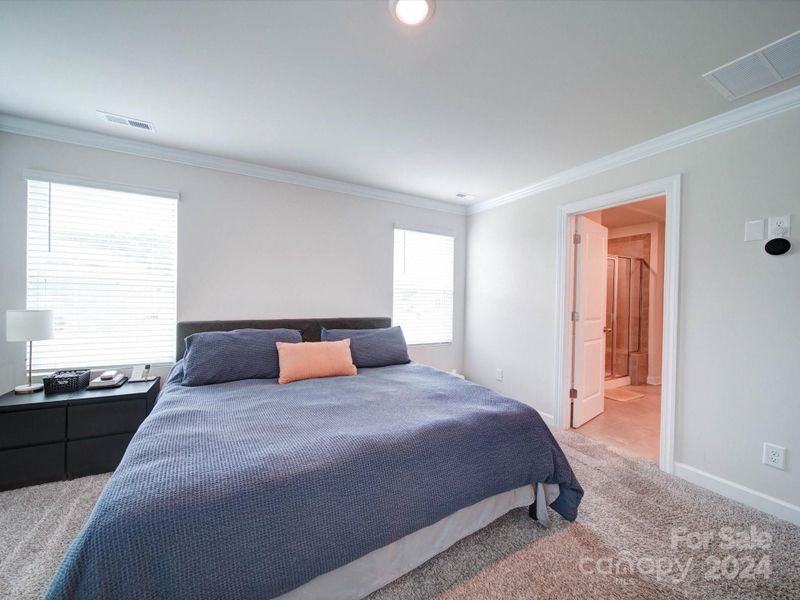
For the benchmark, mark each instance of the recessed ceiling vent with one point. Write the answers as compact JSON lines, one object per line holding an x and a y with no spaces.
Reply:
{"x":127,"y":121}
{"x":755,"y":71}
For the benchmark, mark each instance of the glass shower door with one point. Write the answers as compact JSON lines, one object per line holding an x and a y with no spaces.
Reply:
{"x":609,"y":329}
{"x":618,"y":312}
{"x":622,"y":317}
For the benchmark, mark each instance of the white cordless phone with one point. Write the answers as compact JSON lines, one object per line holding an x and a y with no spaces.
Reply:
{"x":140,"y":373}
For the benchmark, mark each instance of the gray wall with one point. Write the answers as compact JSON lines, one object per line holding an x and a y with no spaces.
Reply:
{"x":247,"y":248}
{"x":739,"y":331}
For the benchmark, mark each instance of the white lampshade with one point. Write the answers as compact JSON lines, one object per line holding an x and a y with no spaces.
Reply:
{"x":29,"y":325}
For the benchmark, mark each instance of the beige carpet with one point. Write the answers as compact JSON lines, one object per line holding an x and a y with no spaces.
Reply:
{"x":620,"y":547}
{"x":621,"y":394}
{"x":37,"y":525}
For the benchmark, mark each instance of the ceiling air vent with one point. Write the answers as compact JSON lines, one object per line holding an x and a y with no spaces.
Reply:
{"x":127,"y":121}
{"x":755,"y":71}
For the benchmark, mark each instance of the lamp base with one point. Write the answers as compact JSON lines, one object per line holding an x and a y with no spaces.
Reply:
{"x":29,"y":388}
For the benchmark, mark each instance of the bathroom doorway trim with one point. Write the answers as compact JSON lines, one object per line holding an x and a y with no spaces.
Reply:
{"x":670,"y":187}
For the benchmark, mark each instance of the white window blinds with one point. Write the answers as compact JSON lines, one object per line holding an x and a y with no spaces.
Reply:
{"x":105,"y":262}
{"x":423,"y":286}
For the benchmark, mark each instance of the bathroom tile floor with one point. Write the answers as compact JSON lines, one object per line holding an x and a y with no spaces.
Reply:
{"x":633,"y":425}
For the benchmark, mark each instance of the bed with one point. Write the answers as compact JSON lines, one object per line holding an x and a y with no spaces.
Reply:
{"x":323,"y":488}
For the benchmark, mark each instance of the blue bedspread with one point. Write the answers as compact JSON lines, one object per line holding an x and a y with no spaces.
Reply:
{"x":249,"y":489}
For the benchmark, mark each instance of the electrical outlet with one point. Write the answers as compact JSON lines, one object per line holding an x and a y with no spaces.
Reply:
{"x":498,"y":374}
{"x":779,"y":226}
{"x":774,"y":456}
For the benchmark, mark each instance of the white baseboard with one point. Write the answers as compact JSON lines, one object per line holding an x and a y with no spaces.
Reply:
{"x":654,"y":380}
{"x":547,"y":418}
{"x":734,"y":491}
{"x":615,"y":383}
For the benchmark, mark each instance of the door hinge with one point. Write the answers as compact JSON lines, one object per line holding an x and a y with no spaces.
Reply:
{"x":575,"y":315}
{"x":576,"y":238}
{"x":573,"y":393}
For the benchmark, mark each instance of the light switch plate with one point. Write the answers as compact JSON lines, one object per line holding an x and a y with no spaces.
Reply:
{"x":779,"y":226}
{"x":754,"y":230}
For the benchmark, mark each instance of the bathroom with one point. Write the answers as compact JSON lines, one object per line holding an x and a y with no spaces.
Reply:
{"x":633,"y":327}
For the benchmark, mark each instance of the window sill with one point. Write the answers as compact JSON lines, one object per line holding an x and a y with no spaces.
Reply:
{"x":430,"y":344}
{"x":97,"y":370}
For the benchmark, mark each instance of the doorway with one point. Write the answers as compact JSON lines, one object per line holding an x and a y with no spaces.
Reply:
{"x":617,"y":332}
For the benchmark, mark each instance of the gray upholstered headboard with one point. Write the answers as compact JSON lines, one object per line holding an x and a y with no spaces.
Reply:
{"x":309,"y":328}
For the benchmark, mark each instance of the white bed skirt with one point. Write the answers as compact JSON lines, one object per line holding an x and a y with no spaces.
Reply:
{"x":372,"y":571}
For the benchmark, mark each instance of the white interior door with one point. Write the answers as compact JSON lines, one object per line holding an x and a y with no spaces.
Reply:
{"x":588,"y":375}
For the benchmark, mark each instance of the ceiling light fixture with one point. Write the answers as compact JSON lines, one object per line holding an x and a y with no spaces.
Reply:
{"x":412,"y":12}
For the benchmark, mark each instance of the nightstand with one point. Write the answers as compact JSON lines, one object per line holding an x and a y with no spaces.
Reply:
{"x":63,"y":436}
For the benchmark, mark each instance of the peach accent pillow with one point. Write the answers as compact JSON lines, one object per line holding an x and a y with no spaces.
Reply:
{"x":307,"y":360}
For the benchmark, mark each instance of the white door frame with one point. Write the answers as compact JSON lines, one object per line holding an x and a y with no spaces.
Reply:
{"x":670,"y":187}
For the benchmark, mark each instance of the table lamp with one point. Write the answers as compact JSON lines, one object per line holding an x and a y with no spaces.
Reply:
{"x":29,"y":326}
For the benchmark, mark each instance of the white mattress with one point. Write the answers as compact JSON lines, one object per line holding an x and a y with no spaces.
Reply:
{"x":374,"y":570}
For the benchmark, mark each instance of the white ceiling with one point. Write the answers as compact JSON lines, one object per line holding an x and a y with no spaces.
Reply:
{"x":487,"y":97}
{"x":635,"y":213}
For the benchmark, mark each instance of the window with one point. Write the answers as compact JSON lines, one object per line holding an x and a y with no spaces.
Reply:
{"x":105,"y":262}
{"x":423,"y":286}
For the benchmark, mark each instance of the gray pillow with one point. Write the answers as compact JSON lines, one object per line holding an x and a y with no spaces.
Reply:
{"x":372,"y":347}
{"x":220,"y":356}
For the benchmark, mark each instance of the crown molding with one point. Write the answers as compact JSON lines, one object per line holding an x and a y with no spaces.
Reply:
{"x":102,"y":141}
{"x":749,"y":113}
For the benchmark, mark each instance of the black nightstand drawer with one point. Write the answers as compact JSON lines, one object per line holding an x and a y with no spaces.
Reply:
{"x":27,"y":466}
{"x":96,"y":455}
{"x":105,"y":417}
{"x":92,"y":428}
{"x":29,"y":427}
